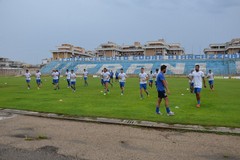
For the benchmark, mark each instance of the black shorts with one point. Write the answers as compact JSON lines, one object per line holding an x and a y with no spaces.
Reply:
{"x":162,"y":94}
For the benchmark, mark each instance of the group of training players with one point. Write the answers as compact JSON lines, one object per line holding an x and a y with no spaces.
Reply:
{"x":196,"y":79}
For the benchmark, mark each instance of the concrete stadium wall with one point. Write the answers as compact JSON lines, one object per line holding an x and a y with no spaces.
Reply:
{"x":11,"y":72}
{"x":175,"y":67}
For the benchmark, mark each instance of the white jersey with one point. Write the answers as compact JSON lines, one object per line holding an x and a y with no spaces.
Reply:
{"x":85,"y":74}
{"x":151,"y":76}
{"x":122,"y":77}
{"x":190,"y":76}
{"x":38,"y":75}
{"x":73,"y":77}
{"x":210,"y":76}
{"x":68,"y":75}
{"x":155,"y":75}
{"x":55,"y":75}
{"x":143,"y":78}
{"x":28,"y":76}
{"x":106,"y":76}
{"x":197,"y":79}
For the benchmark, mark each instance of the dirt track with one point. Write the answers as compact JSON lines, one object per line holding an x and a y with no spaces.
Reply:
{"x":42,"y":138}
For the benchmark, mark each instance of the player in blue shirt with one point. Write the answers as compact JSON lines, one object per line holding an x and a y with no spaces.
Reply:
{"x":161,"y":87}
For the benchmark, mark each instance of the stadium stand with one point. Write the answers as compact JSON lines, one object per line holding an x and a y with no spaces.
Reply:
{"x":182,"y":65}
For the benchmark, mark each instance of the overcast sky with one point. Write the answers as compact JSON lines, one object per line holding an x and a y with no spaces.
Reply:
{"x":29,"y":29}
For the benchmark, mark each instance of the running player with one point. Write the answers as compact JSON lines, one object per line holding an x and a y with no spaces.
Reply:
{"x":58,"y":74}
{"x":55,"y":79}
{"x":67,"y":74}
{"x":210,"y":77}
{"x":198,"y":78}
{"x":155,"y":76}
{"x":143,"y":78}
{"x":111,"y":76}
{"x":116,"y":76}
{"x":85,"y":76}
{"x":106,"y":80}
{"x":28,"y":78}
{"x":191,"y":84}
{"x":101,"y":75}
{"x":122,"y":79}
{"x":73,"y":80}
{"x":38,"y":79}
{"x":161,"y":87}
{"x":150,"y":83}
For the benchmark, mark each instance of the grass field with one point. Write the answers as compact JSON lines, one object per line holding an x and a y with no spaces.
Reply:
{"x":218,"y":108}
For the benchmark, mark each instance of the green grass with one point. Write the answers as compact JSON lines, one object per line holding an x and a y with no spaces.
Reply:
{"x":218,"y":108}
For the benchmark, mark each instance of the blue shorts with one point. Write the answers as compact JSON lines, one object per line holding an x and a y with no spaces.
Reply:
{"x":104,"y":82}
{"x":55,"y":81}
{"x":191,"y":84}
{"x":210,"y":82}
{"x":38,"y":81}
{"x":28,"y":81}
{"x":73,"y":83}
{"x":151,"y":81}
{"x":85,"y":78}
{"x":144,"y":86}
{"x":197,"y":90}
{"x":122,"y":84}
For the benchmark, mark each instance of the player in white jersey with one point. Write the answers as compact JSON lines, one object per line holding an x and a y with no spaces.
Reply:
{"x":58,"y":73}
{"x":150,"y":79}
{"x":55,"y":77}
{"x":28,"y":78}
{"x":190,"y":80}
{"x":38,"y":78}
{"x":122,"y":79}
{"x":106,"y":78}
{"x":67,"y":74}
{"x":73,"y":80}
{"x":101,"y":78}
{"x":155,"y":76}
{"x":210,"y":77}
{"x":85,"y":76}
{"x":143,"y":78}
{"x":198,"y":78}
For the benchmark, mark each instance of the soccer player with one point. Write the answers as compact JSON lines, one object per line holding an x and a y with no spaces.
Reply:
{"x":191,"y":84}
{"x":28,"y":78}
{"x":111,"y":76}
{"x":106,"y":80}
{"x":85,"y":76}
{"x":161,"y":87}
{"x":58,"y":74}
{"x":55,"y":79}
{"x":38,"y":78}
{"x":122,"y":79}
{"x":116,"y":76}
{"x":143,"y":77}
{"x":155,"y":76}
{"x":102,"y":78}
{"x":73,"y":80}
{"x":150,"y":79}
{"x":198,"y":78}
{"x":210,"y":77}
{"x":67,"y":74}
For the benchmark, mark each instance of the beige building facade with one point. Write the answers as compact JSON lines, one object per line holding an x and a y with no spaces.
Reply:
{"x":224,"y":48}
{"x":69,"y":51}
{"x":151,"y":48}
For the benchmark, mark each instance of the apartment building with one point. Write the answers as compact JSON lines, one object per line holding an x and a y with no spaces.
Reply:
{"x":230,"y":47}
